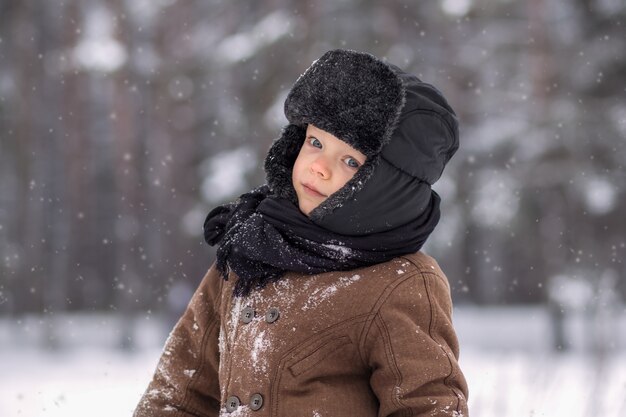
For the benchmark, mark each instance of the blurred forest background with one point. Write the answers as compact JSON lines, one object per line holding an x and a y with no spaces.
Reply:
{"x":123,"y":122}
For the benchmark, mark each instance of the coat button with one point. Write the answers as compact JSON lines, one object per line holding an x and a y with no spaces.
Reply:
{"x":272,"y":315}
{"x":247,"y":314}
{"x":256,"y":402}
{"x":232,"y":403}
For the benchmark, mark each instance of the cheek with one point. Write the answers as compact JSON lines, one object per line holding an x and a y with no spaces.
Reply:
{"x":297,"y":167}
{"x":341,"y":178}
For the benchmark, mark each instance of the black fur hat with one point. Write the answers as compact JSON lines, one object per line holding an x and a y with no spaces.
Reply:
{"x":351,"y":95}
{"x":405,"y":127}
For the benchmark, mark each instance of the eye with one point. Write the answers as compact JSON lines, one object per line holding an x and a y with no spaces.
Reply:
{"x":351,"y":162}
{"x":315,"y":142}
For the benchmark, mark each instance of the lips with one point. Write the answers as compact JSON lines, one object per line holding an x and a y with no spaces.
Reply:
{"x":310,"y":189}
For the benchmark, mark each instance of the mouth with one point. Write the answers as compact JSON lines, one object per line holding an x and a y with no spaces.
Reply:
{"x":312,"y":190}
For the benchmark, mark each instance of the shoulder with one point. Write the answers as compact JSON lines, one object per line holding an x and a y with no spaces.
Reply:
{"x":418,"y":302}
{"x":422,"y":263}
{"x":209,"y":292}
{"x":414,"y":283}
{"x":416,"y":266}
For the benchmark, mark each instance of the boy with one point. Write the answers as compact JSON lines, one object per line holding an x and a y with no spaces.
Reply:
{"x":320,"y":303}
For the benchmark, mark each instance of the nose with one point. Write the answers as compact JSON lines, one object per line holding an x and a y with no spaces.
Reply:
{"x":321,"y":168}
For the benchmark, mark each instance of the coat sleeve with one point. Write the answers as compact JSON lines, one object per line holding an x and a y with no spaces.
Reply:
{"x":186,"y":381}
{"x":413,"y":351}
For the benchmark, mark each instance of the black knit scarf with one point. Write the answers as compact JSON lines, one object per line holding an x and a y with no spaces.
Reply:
{"x":262,"y":236}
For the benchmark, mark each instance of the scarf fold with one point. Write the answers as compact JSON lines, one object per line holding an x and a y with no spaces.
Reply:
{"x":261,"y":236}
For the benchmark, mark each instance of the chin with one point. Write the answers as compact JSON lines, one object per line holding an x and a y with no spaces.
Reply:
{"x":305,"y":209}
{"x":305,"y":206}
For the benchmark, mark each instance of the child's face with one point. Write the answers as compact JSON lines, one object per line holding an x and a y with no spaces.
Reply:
{"x":324,"y":165}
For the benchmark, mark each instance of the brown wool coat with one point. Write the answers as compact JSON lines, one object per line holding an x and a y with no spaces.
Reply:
{"x":375,"y":341}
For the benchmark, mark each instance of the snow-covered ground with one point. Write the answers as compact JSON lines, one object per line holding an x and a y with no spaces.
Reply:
{"x":505,"y":355}
{"x":72,"y":383}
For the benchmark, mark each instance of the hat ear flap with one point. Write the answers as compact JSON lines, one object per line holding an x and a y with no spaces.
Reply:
{"x":280,"y":160}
